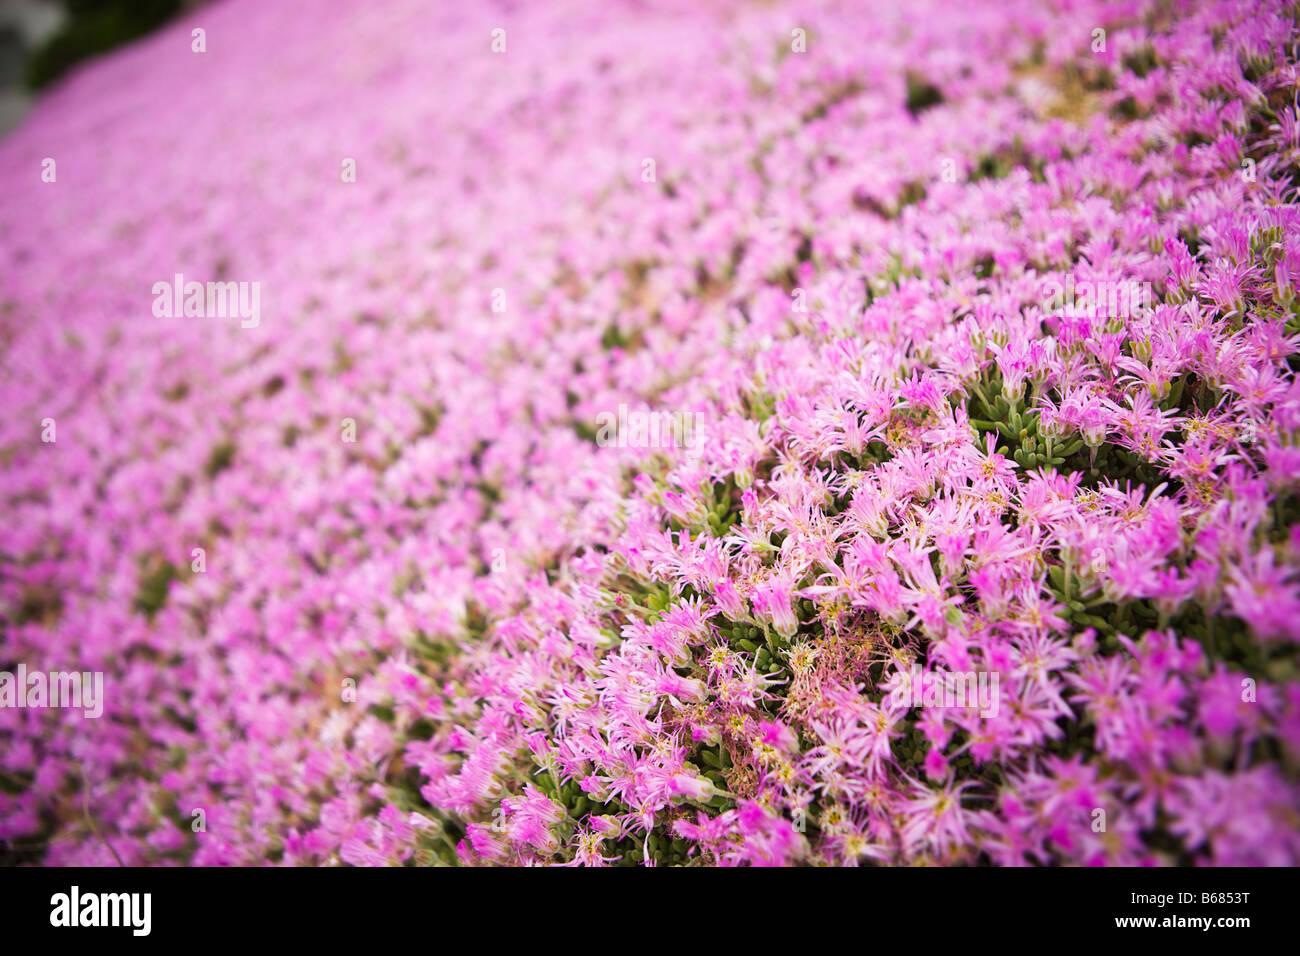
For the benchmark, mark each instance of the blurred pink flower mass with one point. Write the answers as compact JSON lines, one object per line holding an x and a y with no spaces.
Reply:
{"x":657,"y":433}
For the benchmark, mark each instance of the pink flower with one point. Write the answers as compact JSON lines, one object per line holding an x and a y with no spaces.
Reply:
{"x":772,"y":602}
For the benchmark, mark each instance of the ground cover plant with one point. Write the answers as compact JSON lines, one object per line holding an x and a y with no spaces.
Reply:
{"x":623,"y":430}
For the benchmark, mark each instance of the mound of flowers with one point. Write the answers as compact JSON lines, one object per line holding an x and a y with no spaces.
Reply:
{"x":760,"y":434}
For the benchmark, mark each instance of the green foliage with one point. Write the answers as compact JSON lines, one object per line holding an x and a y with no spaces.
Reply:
{"x":156,"y":577}
{"x":94,"y":27}
{"x":921,"y":94}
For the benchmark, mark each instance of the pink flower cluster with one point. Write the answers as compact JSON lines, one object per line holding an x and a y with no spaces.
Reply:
{"x":365,"y":588}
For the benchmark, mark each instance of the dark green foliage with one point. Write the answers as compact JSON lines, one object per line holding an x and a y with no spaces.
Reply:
{"x":94,"y":27}
{"x":921,"y":94}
